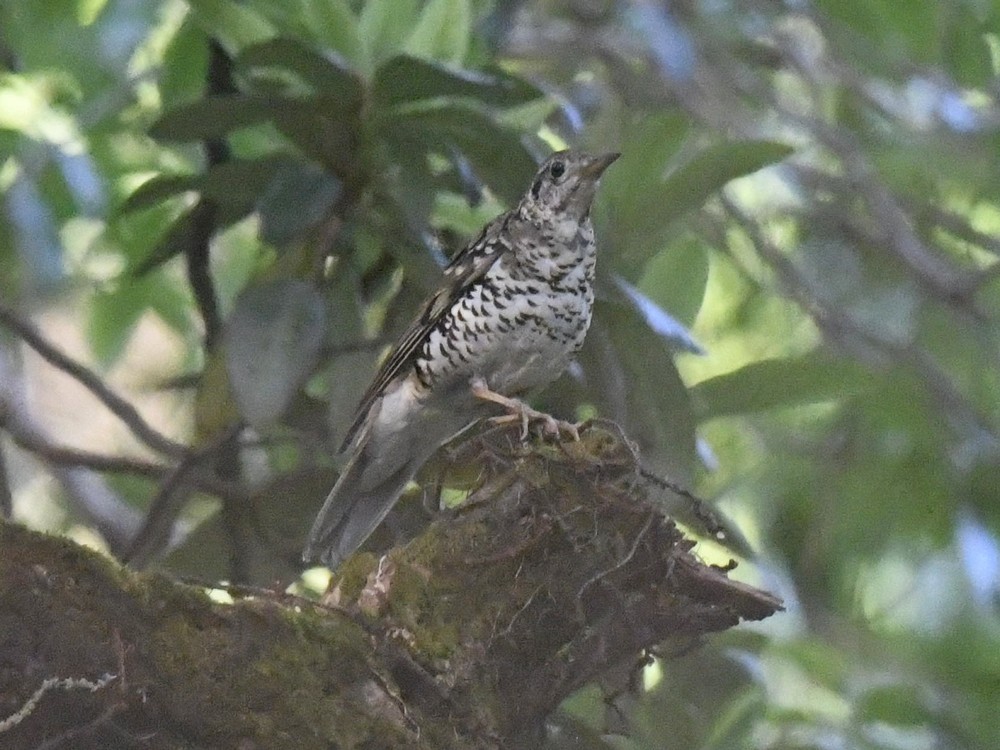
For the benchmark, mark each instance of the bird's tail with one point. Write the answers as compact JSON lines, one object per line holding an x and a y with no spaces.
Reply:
{"x":363,"y":496}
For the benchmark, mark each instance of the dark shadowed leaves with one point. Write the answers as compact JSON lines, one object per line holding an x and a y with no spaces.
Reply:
{"x":185,"y":230}
{"x":212,"y":117}
{"x":407,"y":79}
{"x":496,"y":153}
{"x":298,"y":196}
{"x":323,"y":72}
{"x":272,"y":343}
{"x":633,"y":380}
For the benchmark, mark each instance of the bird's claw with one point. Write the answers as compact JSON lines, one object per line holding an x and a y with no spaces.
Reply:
{"x":518,"y":411}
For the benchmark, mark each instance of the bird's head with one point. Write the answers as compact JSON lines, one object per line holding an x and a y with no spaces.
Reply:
{"x":564,"y":186}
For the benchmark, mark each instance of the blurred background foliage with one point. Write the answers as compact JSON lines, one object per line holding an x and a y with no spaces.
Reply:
{"x":797,"y":316}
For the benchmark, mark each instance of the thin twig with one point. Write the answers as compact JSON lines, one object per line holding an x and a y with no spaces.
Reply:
{"x":98,"y":721}
{"x":6,"y":496}
{"x":64,"y":456}
{"x":618,"y":565}
{"x":954,"y":405}
{"x":169,"y":500}
{"x":117,"y":405}
{"x":53,"y":683}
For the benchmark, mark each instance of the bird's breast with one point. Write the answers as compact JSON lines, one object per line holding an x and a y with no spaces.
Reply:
{"x":517,"y":331}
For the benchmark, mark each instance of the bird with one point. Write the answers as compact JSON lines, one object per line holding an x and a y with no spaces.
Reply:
{"x":512,"y":310}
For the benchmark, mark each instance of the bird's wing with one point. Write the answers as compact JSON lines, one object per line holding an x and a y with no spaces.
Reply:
{"x":469,"y":265}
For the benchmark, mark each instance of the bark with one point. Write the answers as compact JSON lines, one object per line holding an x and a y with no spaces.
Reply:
{"x":555,"y":573}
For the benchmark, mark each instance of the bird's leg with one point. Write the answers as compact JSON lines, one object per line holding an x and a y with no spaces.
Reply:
{"x":521,"y":412}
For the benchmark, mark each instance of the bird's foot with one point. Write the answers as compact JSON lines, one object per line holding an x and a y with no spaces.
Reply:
{"x":521,"y":412}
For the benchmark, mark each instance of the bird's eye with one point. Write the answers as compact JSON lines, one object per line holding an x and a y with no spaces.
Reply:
{"x":557,"y":170}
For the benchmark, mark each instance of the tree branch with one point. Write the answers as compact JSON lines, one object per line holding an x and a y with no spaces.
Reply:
{"x":154,"y":535}
{"x":557,"y":571}
{"x":93,"y":383}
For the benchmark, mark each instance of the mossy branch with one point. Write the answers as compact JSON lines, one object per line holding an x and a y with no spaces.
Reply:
{"x":555,"y":572}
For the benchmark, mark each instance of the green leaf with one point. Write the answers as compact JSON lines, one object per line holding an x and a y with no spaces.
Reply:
{"x":656,"y":318}
{"x":114,"y":313}
{"x":893,"y":29}
{"x":185,"y":61}
{"x":442,"y":32}
{"x":87,"y":11}
{"x":385,"y":25}
{"x":403,"y":232}
{"x":655,"y":203}
{"x":323,"y":130}
{"x":272,"y":344}
{"x":898,"y":705}
{"x":496,"y":153}
{"x":325,"y":74}
{"x":407,"y":79}
{"x":212,"y":117}
{"x":635,"y":382}
{"x":239,"y":183}
{"x":689,"y":187}
{"x":647,"y":148}
{"x":332,"y":23}
{"x":232,"y":23}
{"x":158,"y":189}
{"x":297,"y":197}
{"x":176,"y":240}
{"x":676,"y":278}
{"x":773,"y":383}
{"x":452,"y":211}
{"x":236,"y":184}
{"x":965,"y":49}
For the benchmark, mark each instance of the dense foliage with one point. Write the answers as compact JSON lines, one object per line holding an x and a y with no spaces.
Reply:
{"x":798,"y":298}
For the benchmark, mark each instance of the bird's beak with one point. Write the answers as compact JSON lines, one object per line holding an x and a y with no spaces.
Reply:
{"x":597,"y":164}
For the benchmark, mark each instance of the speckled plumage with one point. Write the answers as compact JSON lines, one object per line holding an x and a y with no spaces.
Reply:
{"x":514,"y":308}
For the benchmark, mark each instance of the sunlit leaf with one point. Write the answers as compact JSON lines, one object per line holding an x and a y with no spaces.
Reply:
{"x":385,"y":25}
{"x":774,"y":383}
{"x":158,"y":189}
{"x":235,"y":24}
{"x":643,"y":201}
{"x":442,"y":31}
{"x":333,"y":23}
{"x":114,"y":312}
{"x":87,"y":11}
{"x":214,"y":407}
{"x":185,"y":60}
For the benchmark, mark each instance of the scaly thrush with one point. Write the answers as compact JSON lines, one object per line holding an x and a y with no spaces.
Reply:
{"x":514,"y":308}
